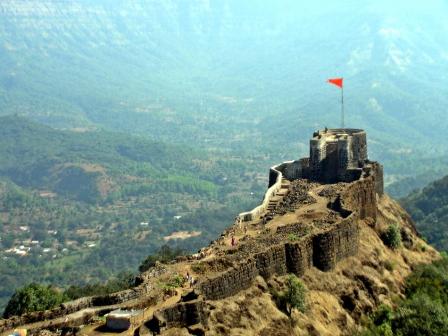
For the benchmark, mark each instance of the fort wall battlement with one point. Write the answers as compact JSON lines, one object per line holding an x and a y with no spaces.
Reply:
{"x":321,"y":249}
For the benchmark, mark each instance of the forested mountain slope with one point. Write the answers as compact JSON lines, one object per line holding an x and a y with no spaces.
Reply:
{"x":429,"y":208}
{"x":80,"y":207}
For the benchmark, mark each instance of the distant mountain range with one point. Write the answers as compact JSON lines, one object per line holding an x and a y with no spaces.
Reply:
{"x":241,"y":76}
{"x":124,"y":122}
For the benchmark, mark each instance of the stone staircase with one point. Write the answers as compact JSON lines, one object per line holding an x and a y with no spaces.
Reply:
{"x":274,"y":201}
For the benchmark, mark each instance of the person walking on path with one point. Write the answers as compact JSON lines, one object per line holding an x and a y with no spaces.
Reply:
{"x":233,"y":241}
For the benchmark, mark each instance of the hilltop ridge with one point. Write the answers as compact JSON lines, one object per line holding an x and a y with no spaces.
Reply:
{"x":321,"y":218}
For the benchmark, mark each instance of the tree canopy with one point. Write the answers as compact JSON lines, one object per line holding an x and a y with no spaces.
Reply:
{"x":32,"y":297}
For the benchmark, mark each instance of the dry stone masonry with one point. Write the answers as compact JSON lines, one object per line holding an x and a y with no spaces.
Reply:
{"x":336,"y":155}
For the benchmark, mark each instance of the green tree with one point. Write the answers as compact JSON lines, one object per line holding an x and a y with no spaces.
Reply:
{"x":8,"y":240}
{"x":295,"y":294}
{"x":32,"y":297}
{"x":421,"y":316}
{"x":293,"y":297}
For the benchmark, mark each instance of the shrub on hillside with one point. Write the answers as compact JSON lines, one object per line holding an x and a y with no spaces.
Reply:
{"x":293,"y":297}
{"x":392,"y":237}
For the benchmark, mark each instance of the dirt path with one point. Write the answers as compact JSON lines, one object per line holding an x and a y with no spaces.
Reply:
{"x":305,"y":213}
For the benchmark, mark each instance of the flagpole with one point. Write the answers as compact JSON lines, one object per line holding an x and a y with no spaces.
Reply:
{"x":339,"y":83}
{"x":342,"y":107}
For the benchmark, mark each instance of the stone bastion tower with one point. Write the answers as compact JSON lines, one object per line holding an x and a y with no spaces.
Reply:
{"x":336,"y":155}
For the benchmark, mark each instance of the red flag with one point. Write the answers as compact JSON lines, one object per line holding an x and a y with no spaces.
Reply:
{"x":336,"y":81}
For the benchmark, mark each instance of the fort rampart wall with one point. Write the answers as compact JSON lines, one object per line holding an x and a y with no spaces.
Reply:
{"x":290,"y":170}
{"x":179,"y":315}
{"x":322,"y":250}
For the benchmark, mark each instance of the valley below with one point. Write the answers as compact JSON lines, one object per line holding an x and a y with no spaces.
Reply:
{"x":134,"y":133}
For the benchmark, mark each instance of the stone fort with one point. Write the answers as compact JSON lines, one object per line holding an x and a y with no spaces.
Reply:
{"x":309,"y":217}
{"x":336,"y":155}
